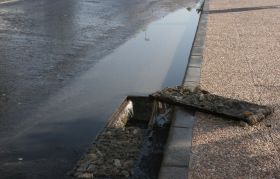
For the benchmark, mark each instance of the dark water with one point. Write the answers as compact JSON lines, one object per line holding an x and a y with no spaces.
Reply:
{"x":48,"y":140}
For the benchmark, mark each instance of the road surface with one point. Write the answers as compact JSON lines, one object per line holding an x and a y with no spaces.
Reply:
{"x":45,"y":45}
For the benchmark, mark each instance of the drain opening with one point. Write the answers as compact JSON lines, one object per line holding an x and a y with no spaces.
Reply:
{"x":132,"y":143}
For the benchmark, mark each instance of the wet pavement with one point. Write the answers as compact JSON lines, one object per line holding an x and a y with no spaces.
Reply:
{"x":58,"y":87}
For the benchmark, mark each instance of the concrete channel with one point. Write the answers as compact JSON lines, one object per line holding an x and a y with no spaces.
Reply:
{"x":172,"y":158}
{"x":177,"y":153}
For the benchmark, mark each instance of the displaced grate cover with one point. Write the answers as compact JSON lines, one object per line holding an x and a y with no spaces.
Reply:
{"x":202,"y":100}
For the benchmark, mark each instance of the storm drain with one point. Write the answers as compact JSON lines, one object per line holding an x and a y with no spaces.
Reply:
{"x":132,"y":144}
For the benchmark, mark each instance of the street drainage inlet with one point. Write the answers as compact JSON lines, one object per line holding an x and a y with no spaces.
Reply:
{"x":132,"y":143}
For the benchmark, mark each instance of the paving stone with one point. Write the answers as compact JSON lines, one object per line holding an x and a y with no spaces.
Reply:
{"x":191,"y":84}
{"x":183,"y":118}
{"x":173,"y":173}
{"x":195,"y":61}
{"x":204,"y":17}
{"x":201,"y":33}
{"x":193,"y":74}
{"x":197,"y":50}
{"x":202,"y":21}
{"x":178,"y":147}
{"x":199,"y":41}
{"x":203,"y":26}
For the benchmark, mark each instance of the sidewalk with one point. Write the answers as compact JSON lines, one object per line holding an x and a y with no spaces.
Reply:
{"x":241,"y":60}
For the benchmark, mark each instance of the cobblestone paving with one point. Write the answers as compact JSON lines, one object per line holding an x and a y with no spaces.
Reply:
{"x":241,"y":61}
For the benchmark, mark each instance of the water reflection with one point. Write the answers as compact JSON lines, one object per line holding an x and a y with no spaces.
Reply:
{"x":138,"y":67}
{"x":154,"y":58}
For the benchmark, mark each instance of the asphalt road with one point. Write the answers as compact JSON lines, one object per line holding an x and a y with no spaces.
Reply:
{"x":44,"y":45}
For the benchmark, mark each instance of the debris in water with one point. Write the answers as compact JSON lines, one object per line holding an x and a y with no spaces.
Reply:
{"x":204,"y":101}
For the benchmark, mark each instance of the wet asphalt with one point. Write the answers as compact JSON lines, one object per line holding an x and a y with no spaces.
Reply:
{"x":44,"y":45}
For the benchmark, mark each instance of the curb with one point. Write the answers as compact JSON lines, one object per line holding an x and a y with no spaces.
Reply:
{"x":177,"y":154}
{"x":192,"y":75}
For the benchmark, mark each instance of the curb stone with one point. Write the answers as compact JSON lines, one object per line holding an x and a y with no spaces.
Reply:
{"x":176,"y":160}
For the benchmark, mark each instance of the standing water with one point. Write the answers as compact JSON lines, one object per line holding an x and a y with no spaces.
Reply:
{"x":61,"y":129}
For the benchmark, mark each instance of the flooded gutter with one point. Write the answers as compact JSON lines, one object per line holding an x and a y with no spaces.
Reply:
{"x":135,"y":144}
{"x":132,"y":143}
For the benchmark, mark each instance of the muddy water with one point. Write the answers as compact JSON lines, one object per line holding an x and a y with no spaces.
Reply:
{"x":56,"y":135}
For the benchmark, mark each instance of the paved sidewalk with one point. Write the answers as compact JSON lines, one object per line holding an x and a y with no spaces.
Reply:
{"x":241,"y":60}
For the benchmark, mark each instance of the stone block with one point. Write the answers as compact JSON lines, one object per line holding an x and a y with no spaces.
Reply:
{"x":191,"y":84}
{"x":173,"y":173}
{"x":178,"y":147}
{"x":183,"y":118}
{"x":195,"y":61}
{"x":197,"y":51}
{"x":199,"y":42}
{"x":193,"y":74}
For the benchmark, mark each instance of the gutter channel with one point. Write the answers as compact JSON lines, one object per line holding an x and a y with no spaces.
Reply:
{"x":177,"y":153}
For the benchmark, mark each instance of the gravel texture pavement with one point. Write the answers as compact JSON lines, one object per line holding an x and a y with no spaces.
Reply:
{"x":241,"y":61}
